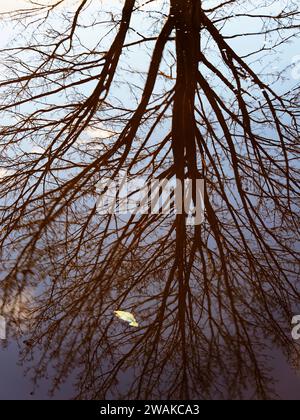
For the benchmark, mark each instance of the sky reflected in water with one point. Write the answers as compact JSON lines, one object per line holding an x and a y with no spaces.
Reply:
{"x":162,"y":94}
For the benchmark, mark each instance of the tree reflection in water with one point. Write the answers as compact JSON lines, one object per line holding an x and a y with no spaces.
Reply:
{"x":208,"y":298}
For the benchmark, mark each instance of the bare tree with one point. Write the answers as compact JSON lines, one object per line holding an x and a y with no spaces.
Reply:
{"x":75,"y":108}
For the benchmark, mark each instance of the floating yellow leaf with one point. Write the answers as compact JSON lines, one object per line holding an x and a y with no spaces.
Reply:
{"x":128,"y":317}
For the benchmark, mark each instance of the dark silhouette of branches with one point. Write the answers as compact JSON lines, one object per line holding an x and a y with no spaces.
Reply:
{"x":75,"y":110}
